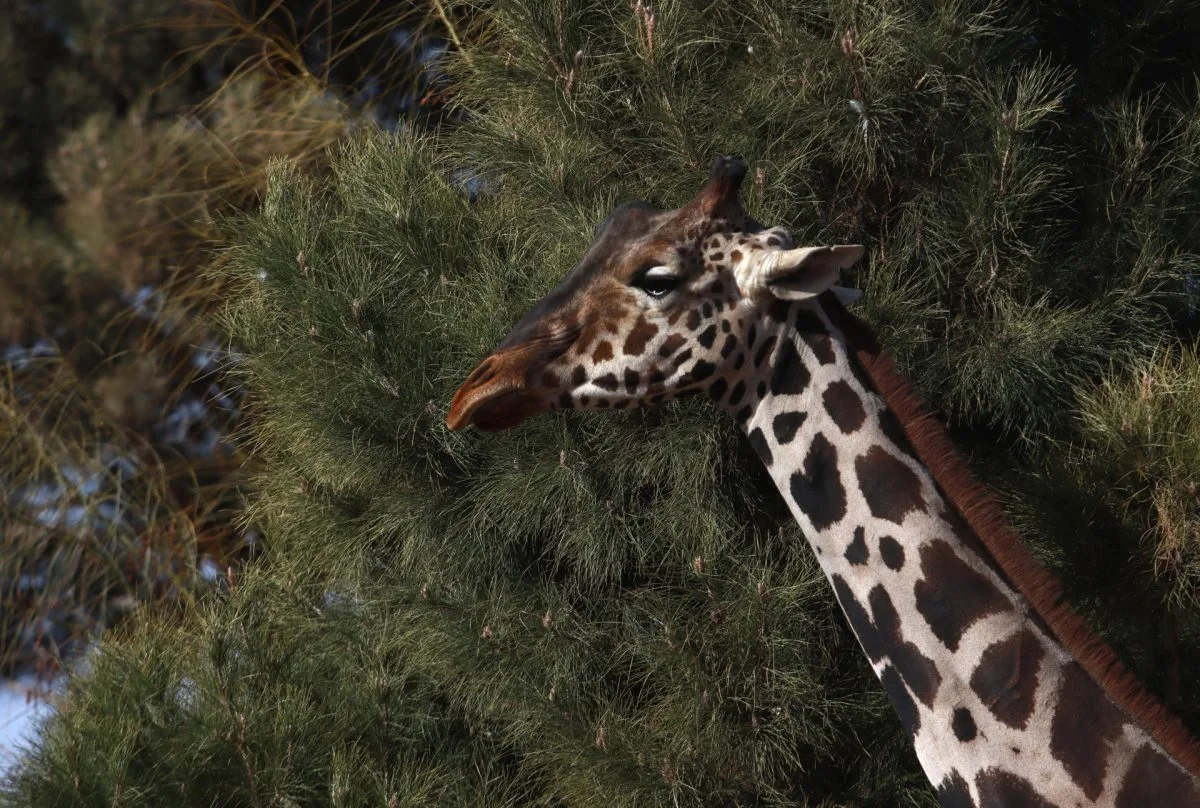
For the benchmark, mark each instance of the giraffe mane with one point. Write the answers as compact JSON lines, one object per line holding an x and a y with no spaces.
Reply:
{"x":980,"y":509}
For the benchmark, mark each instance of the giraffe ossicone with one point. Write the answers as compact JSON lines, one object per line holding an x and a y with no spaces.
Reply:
{"x":1007,"y":698}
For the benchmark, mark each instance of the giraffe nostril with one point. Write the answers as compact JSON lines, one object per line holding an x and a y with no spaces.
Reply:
{"x":482,"y":374}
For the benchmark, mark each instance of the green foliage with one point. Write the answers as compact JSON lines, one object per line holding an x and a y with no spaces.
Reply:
{"x":404,"y":744}
{"x":113,"y":487}
{"x":143,"y":197}
{"x":1145,"y":426}
{"x":140,"y":199}
{"x":65,"y":60}
{"x":616,"y":608}
{"x":38,"y":279}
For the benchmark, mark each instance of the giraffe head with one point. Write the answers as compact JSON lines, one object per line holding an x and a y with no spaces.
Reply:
{"x":663,"y":303}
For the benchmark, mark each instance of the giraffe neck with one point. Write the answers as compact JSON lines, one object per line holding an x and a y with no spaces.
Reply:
{"x":999,"y":712}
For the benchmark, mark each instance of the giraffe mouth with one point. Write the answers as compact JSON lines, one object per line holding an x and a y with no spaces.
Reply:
{"x":499,"y":393}
{"x":493,"y":408}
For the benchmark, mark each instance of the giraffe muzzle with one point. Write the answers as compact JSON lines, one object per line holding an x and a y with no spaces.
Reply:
{"x":492,"y":410}
{"x":501,"y":392}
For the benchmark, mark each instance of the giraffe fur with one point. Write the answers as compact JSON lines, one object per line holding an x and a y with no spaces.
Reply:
{"x":1001,"y":711}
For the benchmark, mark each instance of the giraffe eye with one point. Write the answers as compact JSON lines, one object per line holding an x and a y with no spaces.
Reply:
{"x":657,"y":281}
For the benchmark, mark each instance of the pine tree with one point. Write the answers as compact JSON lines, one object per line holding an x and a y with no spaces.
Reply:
{"x":615,"y":608}
{"x":119,"y":476}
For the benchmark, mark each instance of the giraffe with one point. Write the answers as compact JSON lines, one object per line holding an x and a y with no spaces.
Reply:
{"x":1007,"y":698}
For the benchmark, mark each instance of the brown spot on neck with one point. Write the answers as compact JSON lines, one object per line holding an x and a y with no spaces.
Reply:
{"x":1152,"y":779}
{"x":817,"y":487}
{"x":890,"y":487}
{"x":952,"y":596}
{"x":1007,"y":677}
{"x":1003,"y":789}
{"x":844,"y":406}
{"x":1084,"y":726}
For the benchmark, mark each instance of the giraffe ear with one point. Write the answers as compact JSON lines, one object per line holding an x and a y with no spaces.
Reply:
{"x":806,"y":272}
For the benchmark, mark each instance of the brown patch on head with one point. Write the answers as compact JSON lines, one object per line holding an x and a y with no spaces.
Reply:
{"x":1084,"y":726}
{"x":1007,"y":677}
{"x":606,"y":382}
{"x":700,"y":371}
{"x":952,"y":596}
{"x":671,"y":344}
{"x":889,"y":486}
{"x":603,"y":351}
{"x":643,"y":331}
